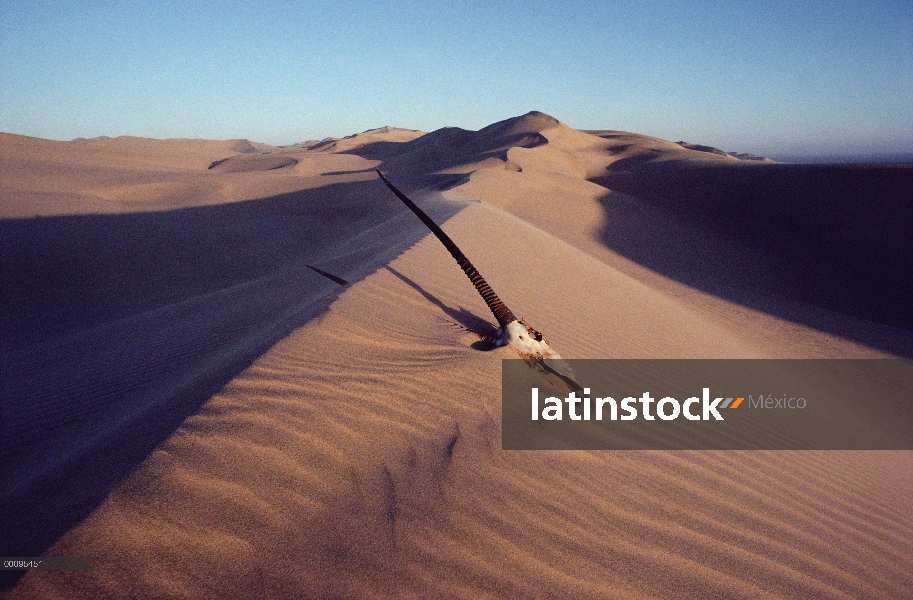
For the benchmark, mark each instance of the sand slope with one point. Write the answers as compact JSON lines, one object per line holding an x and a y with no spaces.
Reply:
{"x":360,"y":455}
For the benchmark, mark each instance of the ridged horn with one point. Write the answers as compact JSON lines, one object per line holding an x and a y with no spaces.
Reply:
{"x":498,"y":308}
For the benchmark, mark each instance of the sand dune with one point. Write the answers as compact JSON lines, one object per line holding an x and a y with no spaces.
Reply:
{"x":246,"y":164}
{"x":207,"y":417}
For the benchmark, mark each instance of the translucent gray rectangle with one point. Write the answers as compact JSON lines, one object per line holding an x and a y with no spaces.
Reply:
{"x":844,"y":404}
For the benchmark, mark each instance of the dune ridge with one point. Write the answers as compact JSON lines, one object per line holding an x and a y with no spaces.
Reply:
{"x":358,"y":455}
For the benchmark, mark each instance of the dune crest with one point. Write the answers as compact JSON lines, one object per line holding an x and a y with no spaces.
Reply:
{"x":243,"y":146}
{"x":246,"y":164}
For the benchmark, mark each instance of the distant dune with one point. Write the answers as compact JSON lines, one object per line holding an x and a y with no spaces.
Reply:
{"x":712,"y":150}
{"x":190,"y":403}
{"x":243,"y":146}
{"x":246,"y":164}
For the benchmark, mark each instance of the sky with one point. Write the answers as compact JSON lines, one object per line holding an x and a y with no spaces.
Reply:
{"x":773,"y":78}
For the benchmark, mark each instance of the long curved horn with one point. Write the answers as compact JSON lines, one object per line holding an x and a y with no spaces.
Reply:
{"x":498,"y":308}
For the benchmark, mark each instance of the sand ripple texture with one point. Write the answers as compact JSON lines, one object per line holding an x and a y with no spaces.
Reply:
{"x":350,"y":447}
{"x":360,"y":458}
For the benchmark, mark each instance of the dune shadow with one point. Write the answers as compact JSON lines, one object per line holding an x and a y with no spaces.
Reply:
{"x":469,"y":320}
{"x":377,"y":149}
{"x":116,"y":327}
{"x":787,"y":240}
{"x":353,"y":171}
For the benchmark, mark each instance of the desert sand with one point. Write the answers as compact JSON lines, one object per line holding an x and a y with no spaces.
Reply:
{"x":191,"y":406}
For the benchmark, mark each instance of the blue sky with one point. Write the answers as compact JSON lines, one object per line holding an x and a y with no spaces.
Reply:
{"x":767,"y":77}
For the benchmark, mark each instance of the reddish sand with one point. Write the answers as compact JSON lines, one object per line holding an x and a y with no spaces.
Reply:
{"x":206,"y":417}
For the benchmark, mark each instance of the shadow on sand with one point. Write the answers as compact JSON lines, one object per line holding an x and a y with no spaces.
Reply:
{"x":468,"y":320}
{"x":117,"y":327}
{"x":782,"y":239}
